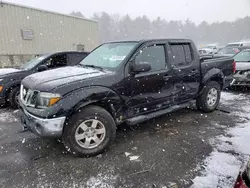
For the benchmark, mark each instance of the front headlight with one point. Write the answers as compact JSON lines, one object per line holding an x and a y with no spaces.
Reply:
{"x":45,"y":100}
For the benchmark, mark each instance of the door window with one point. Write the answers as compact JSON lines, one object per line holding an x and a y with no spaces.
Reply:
{"x":182,"y":55}
{"x":56,"y":61}
{"x":154,"y":55}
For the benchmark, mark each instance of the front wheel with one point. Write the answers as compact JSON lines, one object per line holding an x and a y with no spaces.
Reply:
{"x":209,"y":99}
{"x":13,"y":97}
{"x":89,"y":132}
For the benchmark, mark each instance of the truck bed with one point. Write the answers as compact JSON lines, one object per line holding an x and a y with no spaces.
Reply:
{"x":219,"y":64}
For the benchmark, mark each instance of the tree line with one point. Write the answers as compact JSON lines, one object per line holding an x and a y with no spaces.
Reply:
{"x":116,"y":27}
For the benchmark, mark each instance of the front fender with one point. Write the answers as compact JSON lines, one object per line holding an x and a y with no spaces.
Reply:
{"x":77,"y":99}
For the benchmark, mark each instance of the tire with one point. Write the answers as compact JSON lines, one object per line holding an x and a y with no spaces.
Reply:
{"x":13,"y":97}
{"x":79,"y":125}
{"x":207,"y":101}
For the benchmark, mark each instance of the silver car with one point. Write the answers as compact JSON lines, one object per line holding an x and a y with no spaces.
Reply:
{"x":242,"y":74}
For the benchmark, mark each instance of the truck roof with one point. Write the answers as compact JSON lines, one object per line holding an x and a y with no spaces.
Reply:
{"x":153,"y":40}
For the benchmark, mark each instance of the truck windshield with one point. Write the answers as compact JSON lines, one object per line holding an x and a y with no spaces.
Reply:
{"x":242,"y":56}
{"x":109,"y":55}
{"x":33,"y":62}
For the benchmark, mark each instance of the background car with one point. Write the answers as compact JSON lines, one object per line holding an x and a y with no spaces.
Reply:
{"x":242,"y":74}
{"x":231,"y":50}
{"x":10,"y":78}
{"x":209,"y":49}
{"x":243,"y":179}
{"x":238,"y":44}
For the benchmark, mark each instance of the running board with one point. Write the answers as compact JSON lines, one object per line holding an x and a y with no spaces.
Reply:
{"x":142,"y":118}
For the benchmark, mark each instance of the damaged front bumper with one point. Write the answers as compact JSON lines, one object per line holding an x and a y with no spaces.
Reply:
{"x":42,"y":127}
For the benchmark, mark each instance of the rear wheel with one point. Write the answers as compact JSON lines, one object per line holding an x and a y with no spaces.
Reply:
{"x":13,"y":97}
{"x":89,"y":132}
{"x":209,"y":99}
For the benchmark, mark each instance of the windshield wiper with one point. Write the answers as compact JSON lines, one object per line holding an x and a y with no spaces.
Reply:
{"x":91,"y":66}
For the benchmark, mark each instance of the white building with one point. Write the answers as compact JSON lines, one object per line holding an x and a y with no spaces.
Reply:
{"x":26,"y":31}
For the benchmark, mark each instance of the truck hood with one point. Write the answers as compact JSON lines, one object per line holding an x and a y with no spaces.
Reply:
{"x":49,"y":80}
{"x":6,"y":71}
{"x":240,"y":66}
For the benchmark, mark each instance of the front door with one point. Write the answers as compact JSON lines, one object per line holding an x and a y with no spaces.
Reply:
{"x":153,"y":89}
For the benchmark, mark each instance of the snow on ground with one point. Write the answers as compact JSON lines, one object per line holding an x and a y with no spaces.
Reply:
{"x":230,"y":152}
{"x":229,"y":98}
{"x":8,"y":116}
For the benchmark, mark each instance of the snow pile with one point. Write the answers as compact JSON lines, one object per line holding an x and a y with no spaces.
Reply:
{"x":230,"y":152}
{"x":221,"y":169}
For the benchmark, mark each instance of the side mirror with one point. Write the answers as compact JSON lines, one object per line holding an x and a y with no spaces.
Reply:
{"x":41,"y":68}
{"x":141,"y":67}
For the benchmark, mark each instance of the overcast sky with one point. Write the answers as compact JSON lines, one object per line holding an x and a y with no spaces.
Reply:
{"x":195,"y":10}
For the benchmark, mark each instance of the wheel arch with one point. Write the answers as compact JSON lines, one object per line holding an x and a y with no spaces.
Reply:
{"x":100,"y":96}
{"x":216,"y":75}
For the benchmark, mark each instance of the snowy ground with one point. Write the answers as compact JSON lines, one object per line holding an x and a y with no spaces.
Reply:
{"x":230,"y":150}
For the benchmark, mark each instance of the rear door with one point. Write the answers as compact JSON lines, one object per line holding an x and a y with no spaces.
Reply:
{"x":186,"y":71}
{"x":151,"y":90}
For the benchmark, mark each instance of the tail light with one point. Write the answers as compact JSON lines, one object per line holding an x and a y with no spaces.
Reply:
{"x":234,"y":67}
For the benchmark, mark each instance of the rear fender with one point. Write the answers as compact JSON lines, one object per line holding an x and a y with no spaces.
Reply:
{"x":214,"y":74}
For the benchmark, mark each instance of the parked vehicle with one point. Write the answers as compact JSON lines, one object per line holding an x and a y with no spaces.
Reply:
{"x":238,"y":44}
{"x":10,"y":78}
{"x":130,"y":82}
{"x":243,"y":179}
{"x":209,"y":49}
{"x":231,"y":51}
{"x":242,"y":74}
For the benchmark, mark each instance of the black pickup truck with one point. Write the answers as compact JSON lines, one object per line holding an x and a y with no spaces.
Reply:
{"x":118,"y":82}
{"x":10,"y":78}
